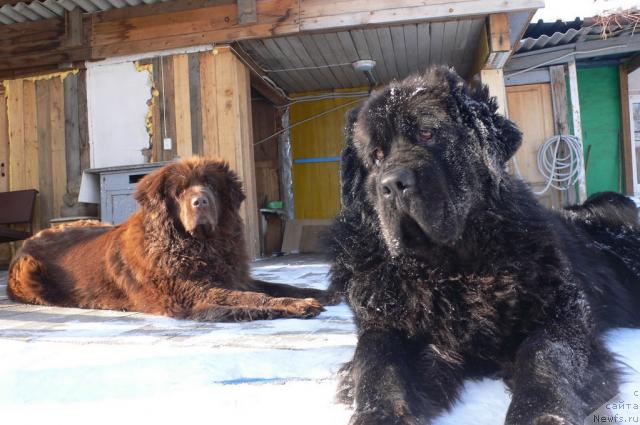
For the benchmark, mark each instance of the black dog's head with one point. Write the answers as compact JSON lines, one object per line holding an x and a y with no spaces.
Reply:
{"x":433,"y":148}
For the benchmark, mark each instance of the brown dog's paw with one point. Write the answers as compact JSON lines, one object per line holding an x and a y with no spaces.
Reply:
{"x":304,"y":309}
{"x":550,"y":419}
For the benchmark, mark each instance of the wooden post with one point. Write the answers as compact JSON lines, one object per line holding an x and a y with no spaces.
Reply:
{"x":626,"y":141}
{"x":494,"y":80}
{"x":499,"y":43}
{"x":227,"y":127}
{"x":577,"y":126}
{"x":560,"y":116}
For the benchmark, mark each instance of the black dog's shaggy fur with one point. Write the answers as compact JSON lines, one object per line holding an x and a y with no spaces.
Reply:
{"x":454,"y":270}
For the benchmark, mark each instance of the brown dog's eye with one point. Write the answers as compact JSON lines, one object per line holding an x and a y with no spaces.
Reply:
{"x":425,"y":136}
{"x":378,"y":156}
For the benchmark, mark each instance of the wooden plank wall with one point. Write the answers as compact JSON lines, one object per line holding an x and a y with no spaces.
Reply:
{"x":37,"y":149}
{"x":5,"y":249}
{"x":176,"y":110}
{"x":44,"y":142}
{"x":203,"y":105}
{"x":266,"y":121}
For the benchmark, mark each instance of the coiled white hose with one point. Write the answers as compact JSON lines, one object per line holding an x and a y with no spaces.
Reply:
{"x":560,"y":162}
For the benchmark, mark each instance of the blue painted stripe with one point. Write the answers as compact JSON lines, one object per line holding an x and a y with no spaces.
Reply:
{"x":317,"y":160}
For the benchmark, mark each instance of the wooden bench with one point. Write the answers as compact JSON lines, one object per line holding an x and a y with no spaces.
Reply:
{"x":16,"y":208}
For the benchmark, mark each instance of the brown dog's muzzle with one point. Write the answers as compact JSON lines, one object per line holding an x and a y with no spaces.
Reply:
{"x":199,"y":212}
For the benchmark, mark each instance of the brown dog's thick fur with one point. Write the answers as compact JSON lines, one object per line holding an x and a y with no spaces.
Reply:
{"x":182,"y":254}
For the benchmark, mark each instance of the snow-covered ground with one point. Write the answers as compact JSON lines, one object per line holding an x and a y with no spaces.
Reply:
{"x":71,"y":366}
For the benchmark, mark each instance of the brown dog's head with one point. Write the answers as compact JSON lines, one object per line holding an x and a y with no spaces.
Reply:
{"x":198,"y":194}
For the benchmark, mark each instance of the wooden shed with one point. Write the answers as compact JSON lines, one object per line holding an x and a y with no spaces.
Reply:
{"x":579,"y":78}
{"x":86,"y":84}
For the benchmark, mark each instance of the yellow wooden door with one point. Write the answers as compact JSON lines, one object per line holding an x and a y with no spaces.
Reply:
{"x":316,"y":148}
{"x":530,"y":107}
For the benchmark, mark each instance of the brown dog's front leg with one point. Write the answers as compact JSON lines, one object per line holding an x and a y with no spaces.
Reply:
{"x":227,"y":305}
{"x":290,"y":291}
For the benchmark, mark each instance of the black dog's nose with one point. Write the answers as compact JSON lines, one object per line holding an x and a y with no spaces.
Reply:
{"x":199,"y":201}
{"x":397,"y":181}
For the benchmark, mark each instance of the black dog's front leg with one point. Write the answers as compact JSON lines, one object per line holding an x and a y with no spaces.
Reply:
{"x":397,"y":385}
{"x":560,"y":376}
{"x":283,"y":290}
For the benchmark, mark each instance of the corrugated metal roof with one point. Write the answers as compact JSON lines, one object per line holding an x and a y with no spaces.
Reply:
{"x":36,"y":10}
{"x":310,"y":62}
{"x":569,"y":37}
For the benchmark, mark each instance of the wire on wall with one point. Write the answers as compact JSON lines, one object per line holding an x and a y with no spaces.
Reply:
{"x":328,"y":111}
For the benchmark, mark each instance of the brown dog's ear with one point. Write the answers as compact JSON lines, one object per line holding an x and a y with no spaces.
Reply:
{"x":217,"y":173}
{"x":150,"y":191}
{"x":234,"y":185}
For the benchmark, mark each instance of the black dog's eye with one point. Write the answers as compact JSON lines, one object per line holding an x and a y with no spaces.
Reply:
{"x":425,"y":136}
{"x":378,"y":156}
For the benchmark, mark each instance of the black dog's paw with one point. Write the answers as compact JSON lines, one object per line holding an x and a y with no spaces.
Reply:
{"x":549,"y":419}
{"x":344,"y":394}
{"x":399,"y":416}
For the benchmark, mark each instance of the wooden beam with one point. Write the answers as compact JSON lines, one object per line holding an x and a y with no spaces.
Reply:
{"x":577,"y":126}
{"x":73,"y":28}
{"x":499,"y":44}
{"x":184,"y":23}
{"x":212,"y":24}
{"x":182,"y":105}
{"x":494,"y":80}
{"x":227,"y":127}
{"x":271,"y":92}
{"x":559,"y":99}
{"x":632,"y":64}
{"x":247,"y":12}
{"x":560,"y":115}
{"x":324,"y":15}
{"x":626,"y":139}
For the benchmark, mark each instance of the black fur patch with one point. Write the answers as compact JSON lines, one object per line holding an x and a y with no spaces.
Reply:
{"x":453,"y":269}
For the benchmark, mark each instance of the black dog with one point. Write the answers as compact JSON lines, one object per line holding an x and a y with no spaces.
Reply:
{"x":455,"y":271}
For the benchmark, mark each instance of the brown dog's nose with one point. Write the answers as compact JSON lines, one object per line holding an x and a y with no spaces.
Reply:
{"x":199,"y":201}
{"x":397,"y":181}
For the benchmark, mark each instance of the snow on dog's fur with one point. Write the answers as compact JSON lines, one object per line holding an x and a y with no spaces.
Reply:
{"x":454,"y":270}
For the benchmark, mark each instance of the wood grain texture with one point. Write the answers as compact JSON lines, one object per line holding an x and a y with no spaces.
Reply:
{"x":625,"y":139}
{"x":209,"y":106}
{"x":83,"y":122}
{"x":167,"y":109}
{"x":195,"y":103}
{"x":182,"y":105}
{"x":499,"y":32}
{"x":530,"y":107}
{"x":16,"y":134}
{"x":4,"y":144}
{"x":58,"y":146}
{"x":157,"y":132}
{"x":31,"y":164}
{"x":44,"y":163}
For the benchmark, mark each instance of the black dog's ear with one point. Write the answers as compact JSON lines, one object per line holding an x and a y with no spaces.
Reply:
{"x":507,"y":138}
{"x":352,"y":171}
{"x":150,"y":191}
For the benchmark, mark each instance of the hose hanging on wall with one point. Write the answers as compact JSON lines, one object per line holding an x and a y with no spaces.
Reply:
{"x":560,"y":161}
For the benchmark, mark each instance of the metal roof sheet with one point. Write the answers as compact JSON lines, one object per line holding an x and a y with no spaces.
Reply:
{"x":571,"y":36}
{"x":36,"y":10}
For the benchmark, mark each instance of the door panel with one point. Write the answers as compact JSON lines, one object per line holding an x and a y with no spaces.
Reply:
{"x":531,"y":109}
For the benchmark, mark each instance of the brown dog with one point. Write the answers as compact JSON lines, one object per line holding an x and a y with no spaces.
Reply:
{"x":182,"y":254}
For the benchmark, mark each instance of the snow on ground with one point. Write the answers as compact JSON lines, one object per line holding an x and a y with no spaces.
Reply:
{"x":70,"y":366}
